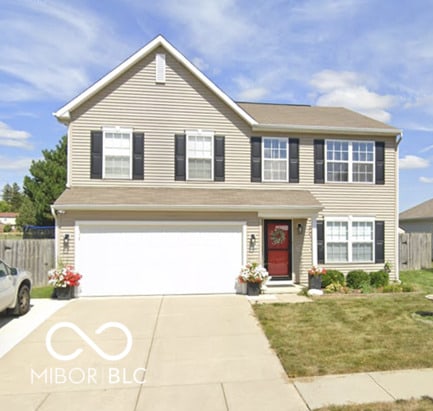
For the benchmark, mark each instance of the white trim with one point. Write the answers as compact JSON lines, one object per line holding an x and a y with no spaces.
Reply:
{"x":286,"y":140}
{"x":144,"y":223}
{"x":350,"y":162}
{"x":117,"y":130}
{"x":64,"y":113}
{"x":314,"y":240}
{"x":199,"y":133}
{"x":287,"y":128}
{"x":350,"y":220}
{"x":298,"y":211}
{"x":160,"y":68}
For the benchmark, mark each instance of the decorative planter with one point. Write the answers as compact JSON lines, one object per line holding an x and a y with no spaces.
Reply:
{"x":64,"y":293}
{"x":315,"y":282}
{"x":253,"y":288}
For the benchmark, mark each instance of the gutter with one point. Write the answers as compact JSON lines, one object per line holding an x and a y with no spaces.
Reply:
{"x":60,"y":209}
{"x":326,"y":129}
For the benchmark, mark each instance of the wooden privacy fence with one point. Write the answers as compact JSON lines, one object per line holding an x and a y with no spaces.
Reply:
{"x":36,"y":256}
{"x":415,"y":251}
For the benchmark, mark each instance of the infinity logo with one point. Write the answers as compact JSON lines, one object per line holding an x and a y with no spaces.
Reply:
{"x":88,"y":341}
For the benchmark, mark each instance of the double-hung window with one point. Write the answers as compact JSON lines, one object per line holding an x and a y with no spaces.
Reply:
{"x":349,"y":240}
{"x":275,"y":159}
{"x":200,"y":152}
{"x":350,"y":161}
{"x":117,"y":149}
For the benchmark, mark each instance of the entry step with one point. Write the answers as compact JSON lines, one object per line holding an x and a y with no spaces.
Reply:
{"x":281,"y":287}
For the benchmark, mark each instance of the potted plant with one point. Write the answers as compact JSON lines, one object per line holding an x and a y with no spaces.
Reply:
{"x":315,"y":274}
{"x":253,"y":275}
{"x":64,"y":280}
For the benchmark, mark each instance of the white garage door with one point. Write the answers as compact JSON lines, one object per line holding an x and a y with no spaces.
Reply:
{"x":166,"y":258}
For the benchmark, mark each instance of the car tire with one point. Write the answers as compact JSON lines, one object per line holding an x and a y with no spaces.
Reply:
{"x":23,"y":301}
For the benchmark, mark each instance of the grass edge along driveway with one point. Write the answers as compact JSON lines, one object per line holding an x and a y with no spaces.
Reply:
{"x":345,"y":334}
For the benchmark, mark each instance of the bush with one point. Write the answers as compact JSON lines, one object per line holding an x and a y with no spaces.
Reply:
{"x":393,"y":288}
{"x":7,"y":228}
{"x":332,"y":277}
{"x":357,"y":279}
{"x":379,"y":279}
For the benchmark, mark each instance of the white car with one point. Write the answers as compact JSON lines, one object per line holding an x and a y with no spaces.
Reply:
{"x":15,"y":286}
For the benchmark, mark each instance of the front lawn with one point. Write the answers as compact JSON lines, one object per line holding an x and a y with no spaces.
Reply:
{"x":346,"y":334}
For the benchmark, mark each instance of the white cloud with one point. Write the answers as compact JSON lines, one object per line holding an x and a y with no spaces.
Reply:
{"x":410,"y":162}
{"x":49,"y":48}
{"x":426,"y":180}
{"x":346,"y":89}
{"x":14,"y":138}
{"x":18,"y":164}
{"x":428,"y":148}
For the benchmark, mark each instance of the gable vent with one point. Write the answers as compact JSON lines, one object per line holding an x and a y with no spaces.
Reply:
{"x":160,"y":68}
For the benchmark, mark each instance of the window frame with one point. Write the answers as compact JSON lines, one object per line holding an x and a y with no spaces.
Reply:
{"x":117,"y":130}
{"x":199,"y":133}
{"x":286,"y":140}
{"x":350,"y":161}
{"x":350,"y":220}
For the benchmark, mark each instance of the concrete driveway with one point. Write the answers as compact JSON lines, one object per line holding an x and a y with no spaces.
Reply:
{"x":187,"y":353}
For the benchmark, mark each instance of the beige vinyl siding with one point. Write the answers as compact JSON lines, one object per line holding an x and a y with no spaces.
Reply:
{"x":160,"y":111}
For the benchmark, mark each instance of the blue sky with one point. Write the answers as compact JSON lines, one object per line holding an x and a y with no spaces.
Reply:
{"x":372,"y":56}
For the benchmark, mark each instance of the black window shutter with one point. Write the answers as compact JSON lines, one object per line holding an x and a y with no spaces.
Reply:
{"x":138,"y":156}
{"x":180,"y":157}
{"x":256,"y":159}
{"x":319,"y":161}
{"x":380,"y":162}
{"x":96,"y":154}
{"x":379,"y":238}
{"x":320,"y":226}
{"x":219,"y":161}
{"x":294,"y":160}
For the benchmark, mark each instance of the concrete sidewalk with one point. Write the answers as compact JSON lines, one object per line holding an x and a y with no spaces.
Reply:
{"x":365,"y":388}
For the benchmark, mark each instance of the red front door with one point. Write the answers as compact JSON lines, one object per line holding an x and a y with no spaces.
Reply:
{"x":277,"y":249}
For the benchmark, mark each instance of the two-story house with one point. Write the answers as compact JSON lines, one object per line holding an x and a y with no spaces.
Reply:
{"x":173,"y":186}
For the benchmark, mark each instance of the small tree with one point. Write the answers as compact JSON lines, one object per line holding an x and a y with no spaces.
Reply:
{"x":47,"y":182}
{"x":26,"y":215}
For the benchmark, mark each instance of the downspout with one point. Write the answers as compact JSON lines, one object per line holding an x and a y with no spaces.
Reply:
{"x":399,"y":138}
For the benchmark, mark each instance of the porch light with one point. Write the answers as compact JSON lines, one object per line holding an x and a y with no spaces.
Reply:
{"x":65,"y":240}
{"x":300,"y":229}
{"x":252,"y":242}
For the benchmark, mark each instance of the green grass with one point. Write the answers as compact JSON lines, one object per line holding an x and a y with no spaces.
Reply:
{"x":421,"y":279}
{"x":41,"y":292}
{"x":347,"y":334}
{"x":424,"y":404}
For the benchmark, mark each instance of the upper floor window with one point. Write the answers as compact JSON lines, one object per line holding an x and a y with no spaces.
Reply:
{"x":350,"y":161}
{"x":117,"y":149}
{"x":275,"y":159}
{"x":200,"y":155}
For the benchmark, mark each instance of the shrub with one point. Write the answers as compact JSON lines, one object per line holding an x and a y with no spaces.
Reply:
{"x":335,"y":288}
{"x":393,"y":288}
{"x":357,"y":278}
{"x":332,"y":277}
{"x":379,"y":279}
{"x":7,"y":228}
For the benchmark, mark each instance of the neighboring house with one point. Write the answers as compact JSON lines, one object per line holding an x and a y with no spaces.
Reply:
{"x":172,"y":185}
{"x":418,"y":219}
{"x":8,"y":219}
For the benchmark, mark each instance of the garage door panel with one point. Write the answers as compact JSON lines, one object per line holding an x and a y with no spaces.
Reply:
{"x":119,"y":260}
